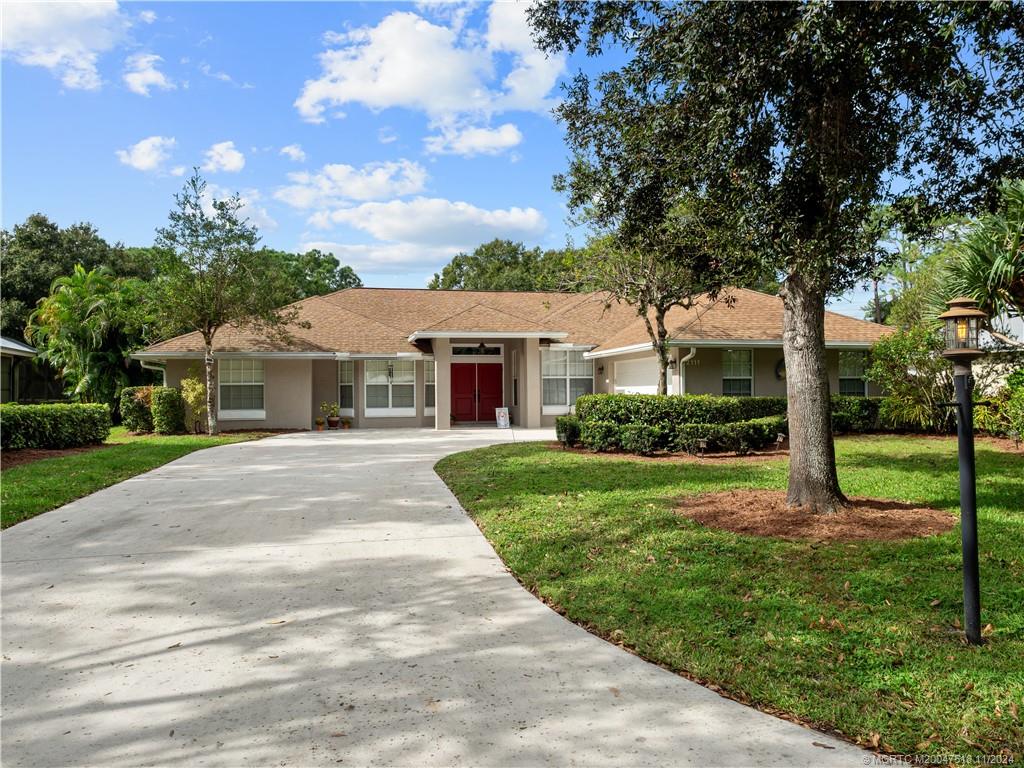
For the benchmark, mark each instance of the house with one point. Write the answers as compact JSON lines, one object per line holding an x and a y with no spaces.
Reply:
{"x":421,"y":358}
{"x":14,"y":356}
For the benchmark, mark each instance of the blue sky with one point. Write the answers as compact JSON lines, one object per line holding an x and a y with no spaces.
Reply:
{"x":393,"y":135}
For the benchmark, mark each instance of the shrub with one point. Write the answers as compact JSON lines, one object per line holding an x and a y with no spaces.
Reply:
{"x":53,"y":426}
{"x":667,"y":411}
{"x":918,"y":381}
{"x":193,"y":392}
{"x":640,"y":438}
{"x":599,"y":435}
{"x":168,"y":411}
{"x":1015,"y":412}
{"x":567,"y":429}
{"x":137,"y":408}
{"x":738,"y":436}
{"x":855,"y":414}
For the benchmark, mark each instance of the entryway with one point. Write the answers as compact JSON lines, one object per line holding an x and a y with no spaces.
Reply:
{"x":477,"y":389}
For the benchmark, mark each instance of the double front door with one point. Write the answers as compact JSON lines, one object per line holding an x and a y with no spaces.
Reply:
{"x":476,"y":391}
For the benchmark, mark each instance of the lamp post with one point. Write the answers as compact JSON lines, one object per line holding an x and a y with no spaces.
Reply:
{"x":961,"y":324}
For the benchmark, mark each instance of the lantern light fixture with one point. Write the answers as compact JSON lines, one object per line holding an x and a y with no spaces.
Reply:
{"x":962,"y":323}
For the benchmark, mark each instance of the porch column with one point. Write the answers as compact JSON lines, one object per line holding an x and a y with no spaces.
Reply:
{"x":531,"y":380}
{"x":442,"y":383}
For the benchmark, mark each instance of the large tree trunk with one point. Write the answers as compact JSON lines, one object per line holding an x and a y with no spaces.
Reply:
{"x":813,"y":482}
{"x":659,"y":338}
{"x":211,"y":383}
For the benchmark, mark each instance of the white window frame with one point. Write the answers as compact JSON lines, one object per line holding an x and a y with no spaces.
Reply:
{"x":749,"y":378}
{"x":861,"y":379}
{"x":429,"y":365}
{"x":561,"y":410}
{"x":254,"y":414}
{"x":498,"y":358}
{"x":351,"y":365}
{"x":376,"y":413}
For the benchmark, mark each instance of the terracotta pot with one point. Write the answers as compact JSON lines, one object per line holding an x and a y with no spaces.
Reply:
{"x":319,"y":427}
{"x":346,"y":425}
{"x":333,"y":421}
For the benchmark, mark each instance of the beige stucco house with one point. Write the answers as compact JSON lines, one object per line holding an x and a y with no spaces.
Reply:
{"x":406,"y":357}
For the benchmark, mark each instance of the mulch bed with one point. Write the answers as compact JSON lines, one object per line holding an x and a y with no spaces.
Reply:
{"x":764,"y":513}
{"x":686,"y":458}
{"x":10,"y":458}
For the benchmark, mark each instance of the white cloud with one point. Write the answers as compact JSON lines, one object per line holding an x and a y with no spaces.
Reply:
{"x":224,"y":157}
{"x":224,"y":77}
{"x":251,"y":208}
{"x":473,"y":141}
{"x":66,"y":38}
{"x":386,"y":135}
{"x":384,"y":257}
{"x":336,"y":183}
{"x":294,"y":152}
{"x":435,"y":221}
{"x":383,"y":66}
{"x":178,"y":170}
{"x":147,"y":155}
{"x":147,"y":17}
{"x":141,"y":74}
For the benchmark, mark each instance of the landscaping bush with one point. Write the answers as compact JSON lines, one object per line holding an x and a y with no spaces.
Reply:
{"x":136,"y":408}
{"x":737,"y":436}
{"x":641,"y":438}
{"x":855,"y":414}
{"x":667,"y":411}
{"x":567,"y":430}
{"x":168,"y":411}
{"x":599,"y":435}
{"x":53,"y":426}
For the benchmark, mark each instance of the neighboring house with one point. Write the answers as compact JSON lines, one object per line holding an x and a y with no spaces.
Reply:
{"x":14,"y":356}
{"x":409,"y":357}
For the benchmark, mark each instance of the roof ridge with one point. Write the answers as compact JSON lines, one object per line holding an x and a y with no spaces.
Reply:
{"x":474,"y":306}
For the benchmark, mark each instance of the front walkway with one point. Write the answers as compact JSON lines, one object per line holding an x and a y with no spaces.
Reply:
{"x":321,"y":598}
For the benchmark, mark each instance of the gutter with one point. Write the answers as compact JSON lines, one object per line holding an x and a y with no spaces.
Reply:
{"x":156,"y":367}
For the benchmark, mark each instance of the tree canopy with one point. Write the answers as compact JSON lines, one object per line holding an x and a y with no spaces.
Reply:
{"x":504,"y":265}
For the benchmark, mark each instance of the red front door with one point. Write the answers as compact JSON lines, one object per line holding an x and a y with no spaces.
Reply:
{"x":476,"y":391}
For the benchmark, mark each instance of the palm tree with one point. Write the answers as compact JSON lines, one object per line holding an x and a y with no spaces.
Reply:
{"x":77,"y":331}
{"x":988,"y":264}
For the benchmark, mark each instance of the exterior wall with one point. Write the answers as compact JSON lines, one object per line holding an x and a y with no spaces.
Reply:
{"x":325,"y":386}
{"x":287,"y":393}
{"x":362,"y":421}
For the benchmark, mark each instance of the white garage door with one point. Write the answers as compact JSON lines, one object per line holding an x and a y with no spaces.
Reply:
{"x":638,"y":377}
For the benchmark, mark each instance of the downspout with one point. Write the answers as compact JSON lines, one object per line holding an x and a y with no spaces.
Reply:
{"x":156,"y":367}
{"x":682,"y":370}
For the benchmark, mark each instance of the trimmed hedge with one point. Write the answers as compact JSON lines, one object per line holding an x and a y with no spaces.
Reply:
{"x":737,"y":436}
{"x":136,"y":408}
{"x":53,"y":426}
{"x":599,"y":435}
{"x":852,"y":414}
{"x":567,"y":430}
{"x":168,"y":411}
{"x":669,"y":410}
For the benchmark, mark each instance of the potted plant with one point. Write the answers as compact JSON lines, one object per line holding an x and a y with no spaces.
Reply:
{"x":319,"y":423}
{"x":346,"y":423}
{"x":331,"y":411}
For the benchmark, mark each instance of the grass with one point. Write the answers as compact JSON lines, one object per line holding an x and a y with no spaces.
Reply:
{"x":30,"y":489}
{"x":860,"y":639}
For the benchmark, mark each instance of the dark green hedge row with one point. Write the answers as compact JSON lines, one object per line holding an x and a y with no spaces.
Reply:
{"x":168,"y":411}
{"x":645,"y":439}
{"x":153,"y":409}
{"x":53,"y":426}
{"x":667,"y":412}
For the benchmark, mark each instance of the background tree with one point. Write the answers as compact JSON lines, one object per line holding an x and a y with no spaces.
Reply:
{"x":504,"y":265}
{"x":800,"y":117}
{"x":212,"y":275}
{"x":86,"y":329}
{"x":314,"y":273}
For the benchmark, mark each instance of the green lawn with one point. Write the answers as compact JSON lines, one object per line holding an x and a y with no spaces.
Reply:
{"x":28,"y":490}
{"x":857,"y":638}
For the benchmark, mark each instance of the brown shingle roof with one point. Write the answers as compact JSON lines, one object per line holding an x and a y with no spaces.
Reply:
{"x":380,"y":320}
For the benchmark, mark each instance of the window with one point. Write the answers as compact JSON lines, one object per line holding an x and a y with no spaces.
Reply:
{"x":390,"y":388}
{"x":241,"y":389}
{"x":347,"y":387}
{"x":851,"y":373}
{"x":515,"y":378}
{"x":429,"y":387}
{"x":476,"y":351}
{"x":565,"y":375}
{"x":6,"y":380}
{"x":738,"y":372}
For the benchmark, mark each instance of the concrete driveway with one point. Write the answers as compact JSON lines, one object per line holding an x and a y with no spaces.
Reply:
{"x":322,"y":598}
